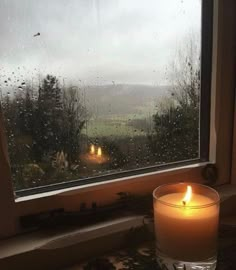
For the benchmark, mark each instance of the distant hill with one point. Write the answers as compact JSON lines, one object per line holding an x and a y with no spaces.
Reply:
{"x":122,"y":98}
{"x":114,"y":99}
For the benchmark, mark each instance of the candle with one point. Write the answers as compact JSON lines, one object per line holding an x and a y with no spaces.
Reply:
{"x":92,"y":149}
{"x":186,"y":221}
{"x":95,"y":156}
{"x":99,"y":154}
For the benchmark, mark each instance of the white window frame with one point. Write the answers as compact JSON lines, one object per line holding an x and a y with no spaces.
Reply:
{"x":221,"y":141}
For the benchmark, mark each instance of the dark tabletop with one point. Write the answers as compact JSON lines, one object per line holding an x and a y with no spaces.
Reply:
{"x":142,"y":256}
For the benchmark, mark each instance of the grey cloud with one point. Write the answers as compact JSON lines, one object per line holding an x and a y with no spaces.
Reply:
{"x":120,"y":40}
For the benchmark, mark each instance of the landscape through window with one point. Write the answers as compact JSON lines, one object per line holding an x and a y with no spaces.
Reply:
{"x":91,"y":88}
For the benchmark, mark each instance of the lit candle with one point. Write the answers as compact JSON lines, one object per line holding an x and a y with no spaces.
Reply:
{"x":186,"y":221}
{"x":95,"y":157}
{"x":99,"y":153}
{"x":92,"y":149}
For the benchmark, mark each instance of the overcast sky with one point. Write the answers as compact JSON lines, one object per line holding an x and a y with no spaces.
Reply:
{"x":93,"y":41}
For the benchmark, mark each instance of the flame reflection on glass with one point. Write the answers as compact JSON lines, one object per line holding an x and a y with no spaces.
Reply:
{"x":92,"y":149}
{"x":99,"y":153}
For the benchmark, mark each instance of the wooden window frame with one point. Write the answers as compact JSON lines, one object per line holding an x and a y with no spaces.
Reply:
{"x":222,"y":137}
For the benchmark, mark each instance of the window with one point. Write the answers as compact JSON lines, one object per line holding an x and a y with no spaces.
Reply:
{"x":100,"y":89}
{"x":221,"y":125}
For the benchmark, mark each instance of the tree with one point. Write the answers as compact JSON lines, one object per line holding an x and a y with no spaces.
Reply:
{"x":176,"y":127}
{"x":73,"y":120}
{"x":39,"y":125}
{"x":49,"y":114}
{"x":18,"y":113}
{"x":28,"y":111}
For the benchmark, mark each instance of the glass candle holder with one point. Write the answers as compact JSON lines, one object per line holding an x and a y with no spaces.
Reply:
{"x":186,"y":219}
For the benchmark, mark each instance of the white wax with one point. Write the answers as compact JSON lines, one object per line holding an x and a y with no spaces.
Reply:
{"x":186,"y":233}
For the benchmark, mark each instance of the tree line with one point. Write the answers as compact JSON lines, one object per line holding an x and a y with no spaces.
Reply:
{"x":42,"y":122}
{"x":175,"y":136}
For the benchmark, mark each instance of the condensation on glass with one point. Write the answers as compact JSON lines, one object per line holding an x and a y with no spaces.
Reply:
{"x":91,"y":88}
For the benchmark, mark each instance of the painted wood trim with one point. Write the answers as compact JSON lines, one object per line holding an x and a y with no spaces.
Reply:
{"x":225,"y":88}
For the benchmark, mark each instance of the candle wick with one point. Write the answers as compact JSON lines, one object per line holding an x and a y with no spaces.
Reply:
{"x":184,"y":203}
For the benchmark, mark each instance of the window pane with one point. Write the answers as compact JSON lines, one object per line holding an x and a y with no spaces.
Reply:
{"x":96,"y":87}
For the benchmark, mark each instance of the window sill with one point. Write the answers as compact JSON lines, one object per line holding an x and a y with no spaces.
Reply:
{"x":79,"y":244}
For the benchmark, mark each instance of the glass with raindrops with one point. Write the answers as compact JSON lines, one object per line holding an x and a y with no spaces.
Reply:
{"x":92,"y":88}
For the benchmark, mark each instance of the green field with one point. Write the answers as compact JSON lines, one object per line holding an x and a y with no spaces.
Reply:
{"x":117,"y":125}
{"x":101,"y":128}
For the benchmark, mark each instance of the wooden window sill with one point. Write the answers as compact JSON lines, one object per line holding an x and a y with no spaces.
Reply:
{"x":64,"y":247}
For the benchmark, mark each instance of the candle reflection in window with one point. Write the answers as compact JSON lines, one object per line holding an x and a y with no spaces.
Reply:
{"x":92,"y":149}
{"x":95,"y":156}
{"x":99,"y":153}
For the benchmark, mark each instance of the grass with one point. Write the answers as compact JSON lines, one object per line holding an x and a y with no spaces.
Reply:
{"x":122,"y":124}
{"x":111,"y":127}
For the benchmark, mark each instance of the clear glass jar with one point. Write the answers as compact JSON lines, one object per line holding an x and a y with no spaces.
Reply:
{"x":186,"y":226}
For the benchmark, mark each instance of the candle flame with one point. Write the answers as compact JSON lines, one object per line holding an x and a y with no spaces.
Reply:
{"x":99,"y":153}
{"x":187,"y":196}
{"x":92,"y":149}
